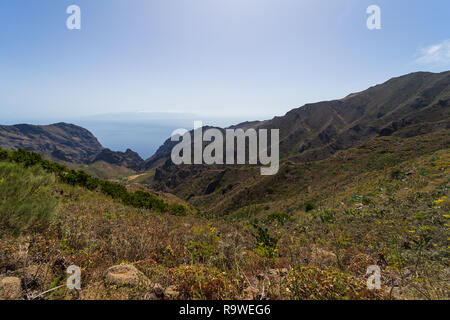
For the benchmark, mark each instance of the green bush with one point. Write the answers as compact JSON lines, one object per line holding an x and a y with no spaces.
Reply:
{"x":326,"y":216}
{"x":114,"y":190}
{"x":280,"y":218}
{"x":28,"y":159}
{"x":79,"y":178}
{"x":266,"y":245}
{"x":145,"y":200}
{"x":396,"y":174}
{"x":3,"y":154}
{"x":26,"y":202}
{"x":53,"y":167}
{"x":311,"y":283}
{"x":178,"y":210}
{"x":309,"y":206}
{"x":139,"y":199}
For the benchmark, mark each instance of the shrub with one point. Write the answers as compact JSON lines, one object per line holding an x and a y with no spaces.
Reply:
{"x":54,"y":167}
{"x":28,"y":159}
{"x":203,"y":246}
{"x":280,"y":218}
{"x":145,"y":200}
{"x":200,"y":252}
{"x":327,"y":216}
{"x":25,"y":198}
{"x":423,"y":172}
{"x":139,"y":199}
{"x":3,"y":154}
{"x":309,"y":206}
{"x":197,"y":283}
{"x":396,"y":174}
{"x":266,"y":245}
{"x":178,"y":210}
{"x":311,"y":283}
{"x":114,"y":190}
{"x":270,"y":190}
{"x":79,"y":178}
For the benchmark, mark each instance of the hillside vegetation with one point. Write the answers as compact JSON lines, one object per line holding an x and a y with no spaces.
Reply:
{"x":308,"y":233}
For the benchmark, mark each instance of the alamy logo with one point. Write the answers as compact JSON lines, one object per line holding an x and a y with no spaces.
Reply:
{"x":374,"y":280}
{"x":73,"y":22}
{"x":374,"y":20}
{"x":74,"y":281}
{"x":235,"y":147}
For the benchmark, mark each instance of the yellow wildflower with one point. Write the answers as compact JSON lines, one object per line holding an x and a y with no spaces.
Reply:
{"x":438,"y":201}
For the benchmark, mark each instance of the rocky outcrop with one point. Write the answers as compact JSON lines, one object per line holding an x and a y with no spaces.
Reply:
{"x":11,"y":289}
{"x":159,"y":293}
{"x":125,"y":275}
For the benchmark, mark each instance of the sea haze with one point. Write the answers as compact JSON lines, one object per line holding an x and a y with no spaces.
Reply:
{"x":142,"y":137}
{"x":143,"y":132}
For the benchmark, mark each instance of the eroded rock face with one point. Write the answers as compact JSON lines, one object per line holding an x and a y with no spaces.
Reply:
{"x":10,"y":289}
{"x":60,"y":141}
{"x":125,"y":275}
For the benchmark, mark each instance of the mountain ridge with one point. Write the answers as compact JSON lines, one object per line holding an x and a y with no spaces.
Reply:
{"x":317,"y":130}
{"x":405,"y":107}
{"x":65,"y":142}
{"x":408,"y":105}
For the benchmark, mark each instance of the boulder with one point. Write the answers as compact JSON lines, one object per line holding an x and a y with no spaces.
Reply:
{"x":11,"y":289}
{"x":158,"y":293}
{"x":151,"y":296}
{"x":158,"y":290}
{"x":125,"y":275}
{"x":251,"y":293}
{"x":171,"y":292}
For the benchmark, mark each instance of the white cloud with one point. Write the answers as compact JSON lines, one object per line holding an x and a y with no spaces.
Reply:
{"x":437,"y":54}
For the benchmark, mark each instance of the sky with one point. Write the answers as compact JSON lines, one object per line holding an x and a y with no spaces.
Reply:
{"x":251,"y":59}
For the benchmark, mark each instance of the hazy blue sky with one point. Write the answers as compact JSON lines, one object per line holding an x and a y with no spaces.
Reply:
{"x":243,"y":58}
